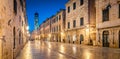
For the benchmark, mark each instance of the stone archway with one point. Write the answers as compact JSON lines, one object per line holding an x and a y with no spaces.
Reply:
{"x":105,"y":39}
{"x":68,"y":39}
{"x":81,"y":38}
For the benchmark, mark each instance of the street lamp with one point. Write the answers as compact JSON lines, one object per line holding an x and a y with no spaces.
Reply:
{"x":27,"y":27}
{"x":27,"y":32}
{"x":62,"y":34}
{"x":49,"y":35}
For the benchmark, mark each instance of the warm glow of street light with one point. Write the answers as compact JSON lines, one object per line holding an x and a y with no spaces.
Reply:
{"x":27,"y":27}
{"x":87,"y":30}
{"x":62,"y":33}
{"x":27,"y":32}
{"x":49,"y":35}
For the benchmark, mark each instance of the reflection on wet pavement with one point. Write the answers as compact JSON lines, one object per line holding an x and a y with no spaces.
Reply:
{"x":53,"y":50}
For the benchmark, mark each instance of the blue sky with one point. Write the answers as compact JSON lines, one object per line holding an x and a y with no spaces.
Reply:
{"x":45,"y":8}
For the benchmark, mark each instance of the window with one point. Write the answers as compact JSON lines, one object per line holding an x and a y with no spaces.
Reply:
{"x":14,"y":38}
{"x":105,"y":13}
{"x":56,"y":28}
{"x":21,"y":2}
{"x":15,"y":6}
{"x":81,"y":2}
{"x":19,"y":18}
{"x":22,"y":23}
{"x":59,"y":17}
{"x":119,"y":10}
{"x":119,"y":39}
{"x":68,"y":25}
{"x":74,"y":6}
{"x":81,"y":21}
{"x":59,"y":28}
{"x":9,"y":22}
{"x":74,"y":23}
{"x":19,"y":37}
{"x":68,"y":9}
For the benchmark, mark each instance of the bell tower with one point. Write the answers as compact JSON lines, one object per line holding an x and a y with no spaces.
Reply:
{"x":36,"y":20}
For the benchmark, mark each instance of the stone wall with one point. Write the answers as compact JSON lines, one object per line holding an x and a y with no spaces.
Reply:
{"x":9,"y":20}
{"x":112,"y":26}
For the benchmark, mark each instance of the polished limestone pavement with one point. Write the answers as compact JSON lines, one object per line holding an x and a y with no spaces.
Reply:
{"x":53,"y":50}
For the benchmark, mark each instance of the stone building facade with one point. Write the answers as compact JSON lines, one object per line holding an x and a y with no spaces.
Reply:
{"x":58,"y":26}
{"x":13,"y":23}
{"x":95,"y":22}
{"x":41,"y":31}
{"x":80,"y":22}
{"x":6,"y":14}
{"x":47,"y":28}
{"x":108,"y":23}
{"x":54,"y":28}
{"x":61,"y":25}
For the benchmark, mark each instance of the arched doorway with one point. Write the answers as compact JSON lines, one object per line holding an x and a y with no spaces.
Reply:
{"x":119,"y":39}
{"x":105,"y":39}
{"x":81,"y":38}
{"x":68,"y":38}
{"x":14,"y":38}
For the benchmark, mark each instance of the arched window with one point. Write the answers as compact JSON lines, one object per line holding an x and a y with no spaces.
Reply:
{"x":14,"y":38}
{"x":81,"y":38}
{"x":105,"y":39}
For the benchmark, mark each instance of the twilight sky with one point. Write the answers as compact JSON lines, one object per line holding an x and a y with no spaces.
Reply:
{"x":45,"y":8}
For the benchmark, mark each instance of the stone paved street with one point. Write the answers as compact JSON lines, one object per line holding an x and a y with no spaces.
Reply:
{"x":51,"y":50}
